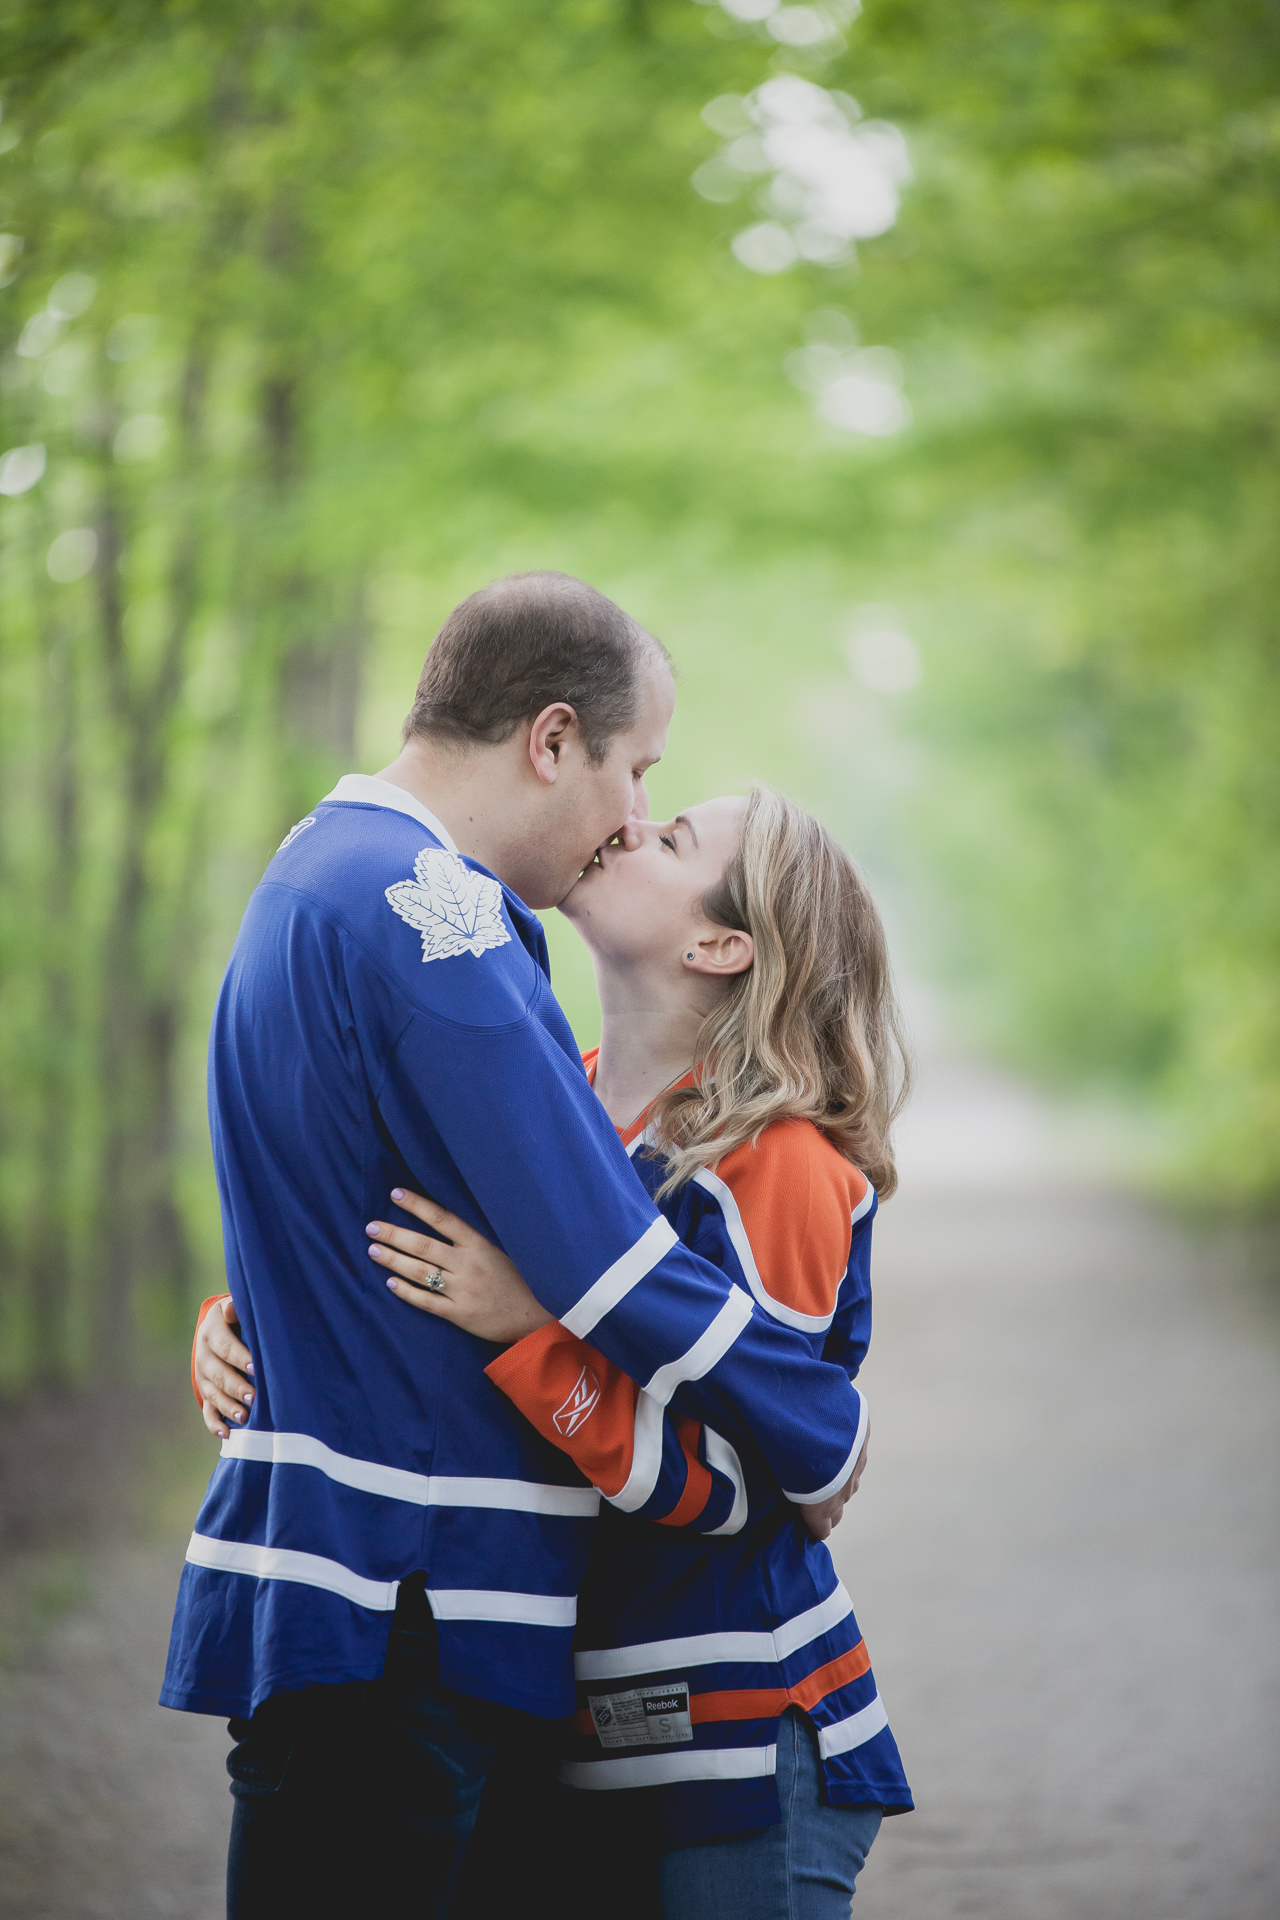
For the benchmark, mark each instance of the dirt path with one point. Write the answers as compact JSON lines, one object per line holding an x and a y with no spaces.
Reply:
{"x":1065,"y":1560}
{"x":110,"y":1808}
{"x":1066,"y":1556}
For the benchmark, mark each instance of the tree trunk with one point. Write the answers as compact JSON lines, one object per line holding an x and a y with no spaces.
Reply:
{"x":50,"y":1264}
{"x":321,"y":686}
{"x":139,"y":1213}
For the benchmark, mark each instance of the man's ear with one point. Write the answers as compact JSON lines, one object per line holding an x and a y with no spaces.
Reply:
{"x":720,"y":953}
{"x":548,"y":735}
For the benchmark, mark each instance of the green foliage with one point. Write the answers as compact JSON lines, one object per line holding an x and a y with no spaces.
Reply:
{"x":1097,"y":405}
{"x":390,"y":297}
{"x":308,"y":299}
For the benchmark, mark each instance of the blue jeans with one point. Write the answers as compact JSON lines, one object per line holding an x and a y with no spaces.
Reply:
{"x":802,"y":1869}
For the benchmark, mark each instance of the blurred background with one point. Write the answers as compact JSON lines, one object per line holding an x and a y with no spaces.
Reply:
{"x":912,"y":373}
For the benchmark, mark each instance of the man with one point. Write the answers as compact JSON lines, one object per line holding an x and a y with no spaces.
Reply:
{"x":386,"y":1021}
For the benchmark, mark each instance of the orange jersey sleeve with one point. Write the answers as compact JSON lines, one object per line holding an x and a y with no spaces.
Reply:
{"x":586,"y":1406}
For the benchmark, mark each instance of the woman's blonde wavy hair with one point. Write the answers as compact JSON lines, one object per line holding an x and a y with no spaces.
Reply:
{"x":811,"y":1030}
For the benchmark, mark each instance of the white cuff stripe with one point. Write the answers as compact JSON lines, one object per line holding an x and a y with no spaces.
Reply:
{"x":654,"y":1769}
{"x":834,"y":1486}
{"x":722,"y":1456}
{"x":715,"y":1649}
{"x":617,"y":1281}
{"x":737,"y":1232}
{"x":706,"y":1351}
{"x":397,"y":1483}
{"x":646,"y":1455}
{"x":853,"y":1732}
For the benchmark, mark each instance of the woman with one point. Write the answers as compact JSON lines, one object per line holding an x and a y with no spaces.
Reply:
{"x":750,"y":1060}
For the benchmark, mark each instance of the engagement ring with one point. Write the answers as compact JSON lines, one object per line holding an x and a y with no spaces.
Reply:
{"x":434,"y":1281}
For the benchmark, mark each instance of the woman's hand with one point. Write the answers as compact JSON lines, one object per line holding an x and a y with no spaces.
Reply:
{"x":222,"y":1366}
{"x":462,"y":1277}
{"x":822,"y":1519}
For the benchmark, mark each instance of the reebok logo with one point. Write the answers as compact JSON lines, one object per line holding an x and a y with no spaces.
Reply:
{"x":579,"y":1406}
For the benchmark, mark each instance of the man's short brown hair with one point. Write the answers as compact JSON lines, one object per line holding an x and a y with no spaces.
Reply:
{"x":518,"y":646}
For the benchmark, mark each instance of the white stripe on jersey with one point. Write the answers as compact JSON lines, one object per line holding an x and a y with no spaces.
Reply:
{"x":834,"y":1486}
{"x":486,"y":1603}
{"x":283,"y":1563}
{"x":854,"y":1731}
{"x":313,"y":1570}
{"x":654,"y":1769}
{"x":722,"y":1456}
{"x":710,"y":1348}
{"x":516,"y":1496}
{"x":646,"y":1455}
{"x":710,"y":1649}
{"x":737,"y":1232}
{"x":616,"y":1282}
{"x":397,"y":1483}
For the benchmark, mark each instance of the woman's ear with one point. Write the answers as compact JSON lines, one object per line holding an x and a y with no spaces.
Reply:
{"x":720,"y":953}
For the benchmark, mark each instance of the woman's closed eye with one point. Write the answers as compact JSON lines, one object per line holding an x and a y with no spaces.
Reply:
{"x":667,"y":841}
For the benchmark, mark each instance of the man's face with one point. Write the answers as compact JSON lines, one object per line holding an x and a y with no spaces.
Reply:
{"x":590,"y":804}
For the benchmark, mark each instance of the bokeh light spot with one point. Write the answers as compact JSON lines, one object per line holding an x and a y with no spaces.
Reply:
{"x":140,"y":437}
{"x":767,"y":248}
{"x":882,"y":655}
{"x":73,"y":295}
{"x":801,"y":26}
{"x":20,"y":468}
{"x":40,"y":333}
{"x":72,"y":555}
{"x":132,"y":337}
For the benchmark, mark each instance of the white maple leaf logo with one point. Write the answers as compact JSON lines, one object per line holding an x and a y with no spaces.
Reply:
{"x":455,"y":910}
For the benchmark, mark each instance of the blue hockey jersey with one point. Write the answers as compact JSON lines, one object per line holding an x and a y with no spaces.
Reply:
{"x":696,"y":1632}
{"x":386,"y":1020}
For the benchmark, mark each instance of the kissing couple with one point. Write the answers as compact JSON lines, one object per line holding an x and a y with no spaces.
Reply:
{"x":535,"y":1378}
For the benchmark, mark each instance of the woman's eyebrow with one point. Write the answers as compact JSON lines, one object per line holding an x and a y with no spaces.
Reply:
{"x":683,"y":820}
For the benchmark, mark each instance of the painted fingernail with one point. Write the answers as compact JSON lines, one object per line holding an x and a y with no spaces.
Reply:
{"x":392,"y":1285}
{"x":374,"y":1227}
{"x":377,"y":1253}
{"x":247,"y":1398}
{"x":237,"y":1416}
{"x":248,"y":1366}
{"x":397,"y":1193}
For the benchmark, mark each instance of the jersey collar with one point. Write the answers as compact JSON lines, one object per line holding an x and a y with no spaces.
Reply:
{"x":368,"y":790}
{"x":629,"y":1134}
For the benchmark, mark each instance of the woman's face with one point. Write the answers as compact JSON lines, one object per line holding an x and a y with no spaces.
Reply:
{"x":640,"y":899}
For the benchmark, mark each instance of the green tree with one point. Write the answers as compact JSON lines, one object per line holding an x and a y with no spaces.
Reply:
{"x":316,"y":315}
